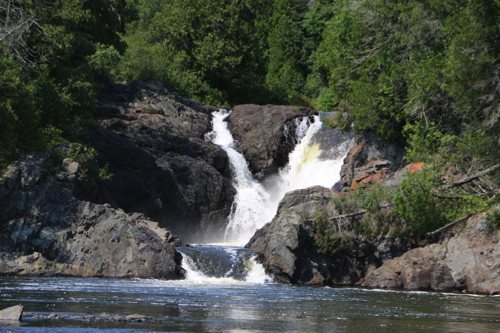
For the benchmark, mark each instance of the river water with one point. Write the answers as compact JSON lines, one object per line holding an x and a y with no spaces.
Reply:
{"x":235,"y":305}
{"x":225,"y":290}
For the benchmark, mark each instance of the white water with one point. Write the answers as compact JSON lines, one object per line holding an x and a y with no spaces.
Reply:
{"x":256,"y":274}
{"x":307,"y":164}
{"x":238,"y":266}
{"x":255,"y":205}
{"x":251,"y":203}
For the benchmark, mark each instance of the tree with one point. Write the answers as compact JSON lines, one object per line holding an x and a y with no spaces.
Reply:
{"x":47,"y":86}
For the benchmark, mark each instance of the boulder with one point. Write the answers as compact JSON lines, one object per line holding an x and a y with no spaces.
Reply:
{"x":266,"y":134}
{"x":286,"y":246}
{"x":12,"y":313}
{"x":466,"y":260}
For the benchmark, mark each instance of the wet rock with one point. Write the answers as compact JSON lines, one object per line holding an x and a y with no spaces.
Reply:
{"x":137,"y":318}
{"x":77,"y":317}
{"x":12,"y":313}
{"x":103,"y":316}
{"x":265,"y":134}
{"x":117,"y":318}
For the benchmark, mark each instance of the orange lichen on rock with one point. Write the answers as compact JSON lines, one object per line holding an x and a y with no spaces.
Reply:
{"x":415,"y":167}
{"x":375,"y":178}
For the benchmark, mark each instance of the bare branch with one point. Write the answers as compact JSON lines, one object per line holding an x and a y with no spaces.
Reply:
{"x":458,"y":197}
{"x":451,"y":224}
{"x":469,"y":179}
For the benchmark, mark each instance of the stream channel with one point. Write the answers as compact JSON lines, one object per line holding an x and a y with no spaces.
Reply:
{"x":226,"y":290}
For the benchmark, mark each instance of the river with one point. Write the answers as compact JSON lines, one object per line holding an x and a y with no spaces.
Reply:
{"x":226,"y":290}
{"x":231,"y":305}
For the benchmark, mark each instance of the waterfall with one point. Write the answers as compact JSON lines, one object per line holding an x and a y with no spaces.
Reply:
{"x":252,"y":205}
{"x":316,"y":160}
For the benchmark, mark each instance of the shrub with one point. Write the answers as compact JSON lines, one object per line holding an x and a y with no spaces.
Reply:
{"x":326,"y":239}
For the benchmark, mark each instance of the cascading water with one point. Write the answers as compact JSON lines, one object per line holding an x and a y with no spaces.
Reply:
{"x":313,"y":162}
{"x":222,"y":264}
{"x":310,"y":164}
{"x":252,"y":205}
{"x":316,"y":160}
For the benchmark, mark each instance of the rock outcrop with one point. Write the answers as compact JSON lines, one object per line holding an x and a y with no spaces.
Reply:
{"x":153,"y":143}
{"x":466,"y":260}
{"x":45,"y":230}
{"x":266,"y":134}
{"x":13,"y":313}
{"x":369,"y":159}
{"x":286,"y":247}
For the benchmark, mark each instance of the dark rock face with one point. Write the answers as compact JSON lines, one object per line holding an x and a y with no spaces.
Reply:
{"x":369,"y":159}
{"x":286,"y":246}
{"x":153,"y":143}
{"x":265,"y":134}
{"x":45,"y":230}
{"x":468,"y":260}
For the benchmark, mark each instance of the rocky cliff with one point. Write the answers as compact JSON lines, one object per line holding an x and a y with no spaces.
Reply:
{"x":371,"y":160}
{"x":153,"y":143}
{"x":45,"y":230}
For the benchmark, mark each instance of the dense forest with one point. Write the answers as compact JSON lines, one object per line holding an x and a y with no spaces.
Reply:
{"x":423,"y":73}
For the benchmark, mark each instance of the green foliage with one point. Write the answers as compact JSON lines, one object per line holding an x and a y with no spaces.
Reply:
{"x":46,"y":80}
{"x":376,"y":199}
{"x":103,"y":173}
{"x":425,"y":211}
{"x":304,"y":215}
{"x":326,"y":239}
{"x":416,"y":204}
{"x":105,"y":59}
{"x":216,"y":42}
{"x":373,"y":196}
{"x":493,"y":218}
{"x":330,"y":122}
{"x":391,"y":63}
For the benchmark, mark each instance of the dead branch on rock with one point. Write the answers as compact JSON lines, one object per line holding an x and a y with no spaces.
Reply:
{"x":361,"y":212}
{"x":469,"y":179}
{"x":451,"y":224}
{"x":458,"y":197}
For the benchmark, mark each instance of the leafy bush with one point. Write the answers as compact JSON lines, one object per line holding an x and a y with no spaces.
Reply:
{"x":326,"y":239}
{"x":493,"y":218}
{"x":424,"y":210}
{"x":416,"y":204}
